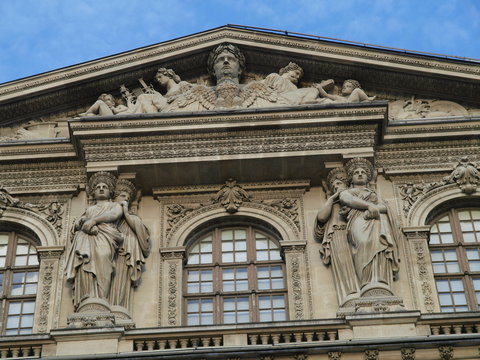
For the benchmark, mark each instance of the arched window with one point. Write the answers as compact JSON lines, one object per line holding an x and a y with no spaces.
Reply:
{"x":18,"y":283}
{"x":234,"y":275}
{"x":455,"y":252}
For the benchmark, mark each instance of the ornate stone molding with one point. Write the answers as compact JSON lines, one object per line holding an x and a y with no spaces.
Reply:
{"x":425,"y":157}
{"x":45,"y":295}
{"x":50,"y":252}
{"x":170,"y":286}
{"x":417,"y":237}
{"x":233,"y":197}
{"x":172,"y":294}
{"x":173,"y":253}
{"x":231,"y":143}
{"x":297,"y":279}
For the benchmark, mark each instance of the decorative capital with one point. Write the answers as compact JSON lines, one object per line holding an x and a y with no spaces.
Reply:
{"x":50,"y":252}
{"x":293,"y":247}
{"x":172,"y":253}
{"x":416,"y":232}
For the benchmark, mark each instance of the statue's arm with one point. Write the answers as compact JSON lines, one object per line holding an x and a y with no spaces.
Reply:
{"x":355,"y":202}
{"x":326,"y":210}
{"x":107,"y":217}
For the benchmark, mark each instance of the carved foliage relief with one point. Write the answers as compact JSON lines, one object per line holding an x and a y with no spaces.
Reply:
{"x":465,"y":174}
{"x":232,"y":196}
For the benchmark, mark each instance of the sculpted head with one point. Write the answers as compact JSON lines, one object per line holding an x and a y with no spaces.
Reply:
{"x":292,"y":72}
{"x":226,"y":61}
{"x":108,"y":99}
{"x":348,"y":86}
{"x":124,"y":191}
{"x":101,"y":185}
{"x":164,"y":75}
{"x":360,"y":171}
{"x":337,"y":180}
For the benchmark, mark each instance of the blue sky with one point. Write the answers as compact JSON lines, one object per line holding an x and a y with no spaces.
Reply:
{"x":42,"y":35}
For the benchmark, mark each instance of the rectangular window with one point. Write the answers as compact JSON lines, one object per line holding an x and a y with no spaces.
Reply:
{"x":236,"y":310}
{"x":272,"y":308}
{"x":235,"y":279}
{"x":270,"y":278}
{"x":200,"y":281}
{"x":20,"y":317}
{"x":451,"y":294}
{"x":445,"y":261}
{"x":200,"y":311}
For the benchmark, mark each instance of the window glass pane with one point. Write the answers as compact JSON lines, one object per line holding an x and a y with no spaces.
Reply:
{"x":3,"y":248}
{"x":240,"y":234}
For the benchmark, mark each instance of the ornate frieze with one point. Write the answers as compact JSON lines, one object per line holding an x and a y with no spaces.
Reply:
{"x":43,"y":178}
{"x":231,"y":143}
{"x":425,"y":157}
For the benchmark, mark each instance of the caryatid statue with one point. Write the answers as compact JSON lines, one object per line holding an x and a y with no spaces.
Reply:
{"x":331,"y":231}
{"x":90,"y":261}
{"x":131,"y":253}
{"x":371,"y":231}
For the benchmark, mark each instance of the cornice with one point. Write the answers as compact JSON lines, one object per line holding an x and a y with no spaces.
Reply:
{"x":170,"y":48}
{"x":286,"y":116}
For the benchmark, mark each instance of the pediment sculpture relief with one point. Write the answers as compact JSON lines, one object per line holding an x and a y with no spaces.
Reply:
{"x":422,"y":108}
{"x":225,"y":64}
{"x":107,"y":236}
{"x":359,"y":236}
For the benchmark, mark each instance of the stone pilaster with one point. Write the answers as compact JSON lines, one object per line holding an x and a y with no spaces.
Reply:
{"x":170,"y":294}
{"x":420,"y":266}
{"x":299,"y":293}
{"x":48,"y":278}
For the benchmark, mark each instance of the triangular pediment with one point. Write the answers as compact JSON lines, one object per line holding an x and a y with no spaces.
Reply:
{"x":386,"y":74}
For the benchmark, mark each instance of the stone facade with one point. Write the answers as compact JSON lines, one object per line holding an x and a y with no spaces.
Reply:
{"x":165,"y":191}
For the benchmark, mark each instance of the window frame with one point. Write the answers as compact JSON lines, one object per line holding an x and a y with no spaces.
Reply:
{"x":460,"y":246}
{"x":218,"y":295}
{"x":8,"y":271}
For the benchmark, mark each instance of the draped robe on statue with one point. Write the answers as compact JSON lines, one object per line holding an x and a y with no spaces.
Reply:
{"x":373,"y":244}
{"x":130,"y":261}
{"x":336,"y":251}
{"x":90,"y":261}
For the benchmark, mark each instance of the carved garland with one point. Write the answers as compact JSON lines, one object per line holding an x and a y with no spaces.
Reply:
{"x":172,"y":294}
{"x":46,"y":281}
{"x":423,"y":274}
